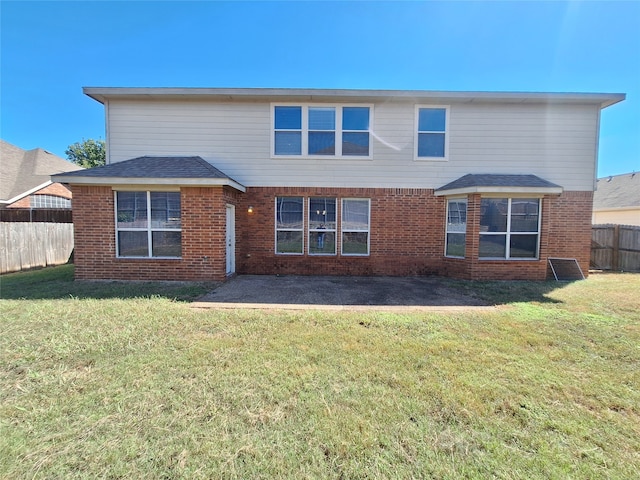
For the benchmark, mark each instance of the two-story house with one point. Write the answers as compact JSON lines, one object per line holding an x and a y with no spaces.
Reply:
{"x":201,"y":183}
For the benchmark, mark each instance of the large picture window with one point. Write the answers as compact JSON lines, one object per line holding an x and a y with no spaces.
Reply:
{"x":509,"y":228}
{"x":321,"y":130}
{"x":456,"y":227}
{"x":355,"y":226}
{"x":322,"y":226}
{"x":289,"y":225}
{"x":148,"y":224}
{"x":432,"y":136}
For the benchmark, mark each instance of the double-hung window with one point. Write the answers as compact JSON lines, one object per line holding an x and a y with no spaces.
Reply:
{"x":322,"y":225}
{"x":148,"y":224}
{"x":456,"y":227}
{"x":355,"y":226}
{"x":509,"y":228}
{"x":289,"y":225}
{"x":432,"y":133}
{"x":321,"y":131}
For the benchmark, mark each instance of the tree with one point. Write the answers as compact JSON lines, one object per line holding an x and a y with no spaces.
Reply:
{"x":88,"y":153}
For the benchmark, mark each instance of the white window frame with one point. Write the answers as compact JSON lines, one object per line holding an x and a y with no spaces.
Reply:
{"x":43,"y":200}
{"x":148,"y":229}
{"x":447,"y":232}
{"x":417,"y":133}
{"x":276,"y":230}
{"x":323,"y":230}
{"x":305,"y":130}
{"x":508,"y":233}
{"x":344,"y":230}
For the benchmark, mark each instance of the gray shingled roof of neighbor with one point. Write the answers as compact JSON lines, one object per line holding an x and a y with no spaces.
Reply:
{"x":496,"y":183}
{"x":617,"y":191}
{"x":25,"y":170}
{"x":152,"y":170}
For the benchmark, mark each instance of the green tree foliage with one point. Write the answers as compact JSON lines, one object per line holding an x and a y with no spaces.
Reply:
{"x":88,"y":153}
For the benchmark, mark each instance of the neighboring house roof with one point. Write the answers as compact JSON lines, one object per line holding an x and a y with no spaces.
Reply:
{"x":150,"y":170}
{"x":617,"y":192}
{"x":492,"y":183}
{"x":305,"y":94}
{"x":26,"y":171}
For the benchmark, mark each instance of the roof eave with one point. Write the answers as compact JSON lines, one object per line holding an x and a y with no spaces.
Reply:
{"x":179,"y":182}
{"x":492,"y":190}
{"x":101,"y":94}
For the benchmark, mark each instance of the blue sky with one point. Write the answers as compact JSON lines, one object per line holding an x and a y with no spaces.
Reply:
{"x":50,"y":50}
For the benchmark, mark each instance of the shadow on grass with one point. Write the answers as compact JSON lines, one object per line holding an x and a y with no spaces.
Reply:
{"x":58,"y":283}
{"x":512,"y":291}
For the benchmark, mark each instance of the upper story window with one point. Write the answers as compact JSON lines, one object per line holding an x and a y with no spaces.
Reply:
{"x":49,"y":201}
{"x":321,"y":130}
{"x":432,"y":140}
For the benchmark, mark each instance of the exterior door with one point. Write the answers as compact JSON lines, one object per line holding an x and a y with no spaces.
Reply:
{"x":231,"y":240}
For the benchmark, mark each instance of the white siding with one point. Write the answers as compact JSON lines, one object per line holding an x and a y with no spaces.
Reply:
{"x":557,"y":143}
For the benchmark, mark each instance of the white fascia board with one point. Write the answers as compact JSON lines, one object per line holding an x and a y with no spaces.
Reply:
{"x":101,"y":94}
{"x":28,"y":192}
{"x":492,"y":190}
{"x":181,"y":182}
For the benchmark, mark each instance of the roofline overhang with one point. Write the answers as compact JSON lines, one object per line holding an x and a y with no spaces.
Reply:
{"x":178,"y":182}
{"x":103,"y":94}
{"x":26,"y":193}
{"x":492,"y":190}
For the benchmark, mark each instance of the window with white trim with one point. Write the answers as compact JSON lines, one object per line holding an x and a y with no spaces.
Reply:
{"x":322,"y":225}
{"x":356,"y":213}
{"x":509,"y":228}
{"x":456,"y":227}
{"x":432,"y":137}
{"x":148,"y":224}
{"x":49,"y":201}
{"x":321,"y":130}
{"x":289,"y":225}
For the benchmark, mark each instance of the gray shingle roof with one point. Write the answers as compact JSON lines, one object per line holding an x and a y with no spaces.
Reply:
{"x":155,"y":167}
{"x":24,"y":170}
{"x":494,"y":180}
{"x":192,"y":170}
{"x":617,"y":191}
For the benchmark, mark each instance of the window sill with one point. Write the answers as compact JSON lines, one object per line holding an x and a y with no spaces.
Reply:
{"x":322,"y":157}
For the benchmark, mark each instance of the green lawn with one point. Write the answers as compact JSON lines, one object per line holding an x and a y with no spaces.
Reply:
{"x":122,"y":380}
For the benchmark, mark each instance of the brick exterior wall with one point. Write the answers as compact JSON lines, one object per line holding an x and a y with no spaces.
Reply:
{"x":203,"y":238}
{"x":56,"y":189}
{"x":407,"y":235}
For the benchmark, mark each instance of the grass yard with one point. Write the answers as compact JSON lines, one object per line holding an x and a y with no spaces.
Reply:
{"x":121,"y":380}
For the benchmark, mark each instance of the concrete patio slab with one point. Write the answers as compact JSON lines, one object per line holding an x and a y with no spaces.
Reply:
{"x":296,"y":292}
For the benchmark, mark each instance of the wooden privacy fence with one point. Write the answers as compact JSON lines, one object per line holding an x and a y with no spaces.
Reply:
{"x":615,"y":247}
{"x":27,"y":245}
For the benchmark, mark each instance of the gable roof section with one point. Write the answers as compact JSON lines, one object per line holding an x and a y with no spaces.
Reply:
{"x":26,"y":171}
{"x":617,"y":192}
{"x":491,"y":183}
{"x":149,"y":170}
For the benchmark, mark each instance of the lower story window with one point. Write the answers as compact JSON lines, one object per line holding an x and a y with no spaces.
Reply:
{"x":456,"y":227}
{"x":322,"y":226}
{"x":289,"y":225}
{"x":148,"y":224}
{"x":509,"y":228}
{"x":355,"y":226}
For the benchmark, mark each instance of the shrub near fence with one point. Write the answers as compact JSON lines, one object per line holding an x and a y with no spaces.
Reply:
{"x":615,"y":247}
{"x":26,"y":245}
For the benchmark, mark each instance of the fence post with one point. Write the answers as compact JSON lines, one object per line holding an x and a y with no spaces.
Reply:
{"x":616,"y":248}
